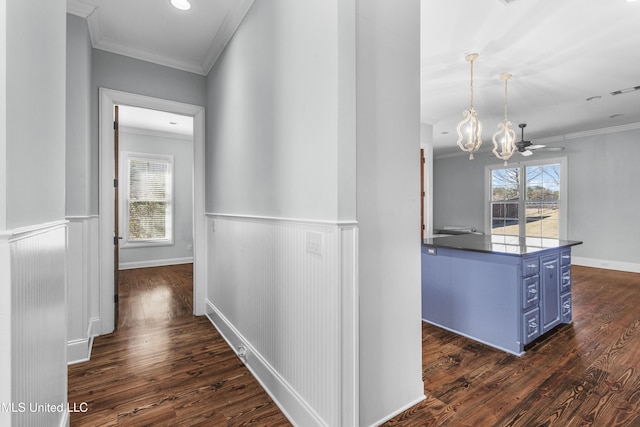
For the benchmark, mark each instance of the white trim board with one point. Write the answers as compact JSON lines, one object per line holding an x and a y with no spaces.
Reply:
{"x":79,"y":351}
{"x":109,"y":98}
{"x":283,"y":395}
{"x":342,"y":224}
{"x":606,"y":264}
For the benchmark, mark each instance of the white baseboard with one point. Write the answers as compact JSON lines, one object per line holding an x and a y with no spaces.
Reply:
{"x":154,"y":263}
{"x":606,"y":264}
{"x":94,"y":327}
{"x":398,"y":412}
{"x":290,"y":403}
{"x":79,"y":351}
{"x":66,"y":419}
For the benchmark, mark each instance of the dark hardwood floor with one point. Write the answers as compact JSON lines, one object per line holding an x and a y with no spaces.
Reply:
{"x":584,"y":374}
{"x":164,"y":366}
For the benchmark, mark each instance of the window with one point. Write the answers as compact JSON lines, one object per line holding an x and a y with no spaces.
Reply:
{"x":147,"y":211}
{"x":528,"y":200}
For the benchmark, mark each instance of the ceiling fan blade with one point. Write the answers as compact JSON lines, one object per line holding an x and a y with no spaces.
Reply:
{"x":535,"y":147}
{"x":526,"y":153}
{"x":552,"y":149}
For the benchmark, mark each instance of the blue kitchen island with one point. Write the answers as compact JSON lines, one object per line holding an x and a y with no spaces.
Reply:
{"x":503,"y":291}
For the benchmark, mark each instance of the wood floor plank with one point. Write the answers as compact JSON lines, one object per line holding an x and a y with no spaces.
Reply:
{"x":583,"y":374}
{"x":164,"y":366}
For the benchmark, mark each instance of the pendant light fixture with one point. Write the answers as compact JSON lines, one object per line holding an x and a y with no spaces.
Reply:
{"x":504,"y":139}
{"x":470,"y":129}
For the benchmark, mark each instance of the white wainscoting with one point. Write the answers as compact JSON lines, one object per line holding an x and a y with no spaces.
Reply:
{"x":34,"y":266}
{"x":83,"y":287}
{"x":290,"y":314}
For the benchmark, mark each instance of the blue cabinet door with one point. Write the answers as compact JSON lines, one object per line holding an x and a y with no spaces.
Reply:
{"x":550,"y":298}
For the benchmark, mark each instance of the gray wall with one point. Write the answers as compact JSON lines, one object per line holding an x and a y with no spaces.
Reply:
{"x":32,"y":197}
{"x":271,"y":119}
{"x":126,"y":74}
{"x":182,"y":150}
{"x":602,"y":195}
{"x":35,"y":114}
{"x":388,"y":205}
{"x":282,"y":141}
{"x":78,"y":152}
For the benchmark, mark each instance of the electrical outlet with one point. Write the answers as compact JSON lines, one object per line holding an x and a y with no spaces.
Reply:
{"x":314,"y":242}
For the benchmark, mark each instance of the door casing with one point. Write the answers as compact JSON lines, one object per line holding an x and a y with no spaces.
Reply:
{"x":108,"y":99}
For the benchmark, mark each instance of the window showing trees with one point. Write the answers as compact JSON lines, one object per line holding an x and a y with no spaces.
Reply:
{"x":525,"y":200}
{"x":148,"y":208}
{"x":505,"y":201}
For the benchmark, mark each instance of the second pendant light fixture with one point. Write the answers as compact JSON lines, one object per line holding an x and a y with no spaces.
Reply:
{"x":469,"y":129}
{"x":504,"y":139}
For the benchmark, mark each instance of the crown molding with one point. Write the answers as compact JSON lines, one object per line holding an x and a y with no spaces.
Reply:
{"x":557,"y":138}
{"x":167,"y":61}
{"x":586,"y":133}
{"x":81,"y":8}
{"x":226,"y":31}
{"x":91,"y":12}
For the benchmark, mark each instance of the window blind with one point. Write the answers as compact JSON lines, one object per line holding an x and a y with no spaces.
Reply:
{"x":149,"y":199}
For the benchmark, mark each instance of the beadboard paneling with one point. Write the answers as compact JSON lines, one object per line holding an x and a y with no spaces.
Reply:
{"x":284,"y":306}
{"x":83,"y":278}
{"x":38,"y":324}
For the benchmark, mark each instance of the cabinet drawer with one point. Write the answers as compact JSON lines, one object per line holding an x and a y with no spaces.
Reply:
{"x":530,"y":266}
{"x":530,"y":326}
{"x":530,"y":292}
{"x":565,"y":257}
{"x":565,"y":286}
{"x":565,"y":308}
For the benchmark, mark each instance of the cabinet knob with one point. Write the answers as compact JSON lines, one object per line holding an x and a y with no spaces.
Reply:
{"x":550,"y":267}
{"x":531,"y":265}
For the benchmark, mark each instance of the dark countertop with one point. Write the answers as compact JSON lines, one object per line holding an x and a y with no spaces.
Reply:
{"x":497,"y":244}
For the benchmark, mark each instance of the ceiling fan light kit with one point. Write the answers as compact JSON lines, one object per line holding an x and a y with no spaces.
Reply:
{"x":470,"y":128}
{"x":525,"y":147}
{"x":504,"y":139}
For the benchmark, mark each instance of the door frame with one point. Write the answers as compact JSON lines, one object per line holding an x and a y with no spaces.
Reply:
{"x":109,"y":98}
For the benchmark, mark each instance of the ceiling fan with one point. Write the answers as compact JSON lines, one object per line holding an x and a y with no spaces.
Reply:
{"x":525,"y":147}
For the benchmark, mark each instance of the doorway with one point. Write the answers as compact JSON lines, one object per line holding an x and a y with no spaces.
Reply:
{"x":108,"y":99}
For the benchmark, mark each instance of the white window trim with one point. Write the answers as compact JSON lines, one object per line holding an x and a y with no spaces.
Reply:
{"x":562,"y":202}
{"x":124,"y":197}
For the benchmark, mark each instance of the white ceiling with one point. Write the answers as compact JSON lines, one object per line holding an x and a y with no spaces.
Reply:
{"x":155,"y":31}
{"x":157,"y":121}
{"x":559,"y":52}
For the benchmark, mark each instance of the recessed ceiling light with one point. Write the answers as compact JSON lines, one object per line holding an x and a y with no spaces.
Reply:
{"x":181,"y":4}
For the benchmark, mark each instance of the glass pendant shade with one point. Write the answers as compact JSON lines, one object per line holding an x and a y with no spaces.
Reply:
{"x":504,"y":140}
{"x":470,"y":128}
